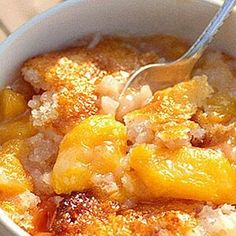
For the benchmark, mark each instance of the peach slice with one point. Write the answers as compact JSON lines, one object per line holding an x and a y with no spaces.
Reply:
{"x":185,"y":173}
{"x":13,"y":178}
{"x":21,"y":128}
{"x":93,"y":146}
{"x":177,"y":104}
{"x":12,"y":104}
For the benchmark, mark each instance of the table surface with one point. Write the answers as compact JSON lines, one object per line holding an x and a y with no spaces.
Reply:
{"x":14,"y":13}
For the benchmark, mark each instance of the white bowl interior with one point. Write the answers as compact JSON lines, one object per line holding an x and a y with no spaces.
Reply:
{"x":73,"y":19}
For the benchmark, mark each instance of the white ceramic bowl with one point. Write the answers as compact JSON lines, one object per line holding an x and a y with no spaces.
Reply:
{"x":75,"y":18}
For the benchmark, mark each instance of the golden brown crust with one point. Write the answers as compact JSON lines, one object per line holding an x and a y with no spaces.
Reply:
{"x":72,"y":74}
{"x":81,"y":213}
{"x":112,"y":54}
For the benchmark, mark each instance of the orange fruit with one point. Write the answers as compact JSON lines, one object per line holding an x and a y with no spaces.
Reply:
{"x":12,"y":104}
{"x":185,"y":173}
{"x":13,"y":178}
{"x":93,"y":146}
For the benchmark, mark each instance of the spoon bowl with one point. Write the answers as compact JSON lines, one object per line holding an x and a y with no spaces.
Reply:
{"x":162,"y":75}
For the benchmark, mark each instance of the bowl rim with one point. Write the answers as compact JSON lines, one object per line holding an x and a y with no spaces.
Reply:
{"x":9,"y":225}
{"x":45,"y":14}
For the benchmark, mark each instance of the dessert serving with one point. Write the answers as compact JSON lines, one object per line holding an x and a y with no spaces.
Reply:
{"x":77,"y":160}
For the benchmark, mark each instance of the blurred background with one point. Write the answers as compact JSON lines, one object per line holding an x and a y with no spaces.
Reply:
{"x":14,"y":13}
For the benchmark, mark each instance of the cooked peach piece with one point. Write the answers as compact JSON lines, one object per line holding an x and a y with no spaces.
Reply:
{"x":21,"y":129}
{"x":220,"y":108}
{"x":21,"y":209}
{"x":185,"y":173}
{"x":93,"y":146}
{"x":13,"y":178}
{"x":12,"y":104}
{"x":178,"y":103}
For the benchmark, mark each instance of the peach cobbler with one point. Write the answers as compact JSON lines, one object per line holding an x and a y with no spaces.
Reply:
{"x":76,"y":160}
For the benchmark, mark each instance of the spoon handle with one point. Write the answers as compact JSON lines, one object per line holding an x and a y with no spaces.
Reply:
{"x":208,"y":34}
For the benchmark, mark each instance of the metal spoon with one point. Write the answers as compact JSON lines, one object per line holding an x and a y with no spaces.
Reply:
{"x":161,"y":75}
